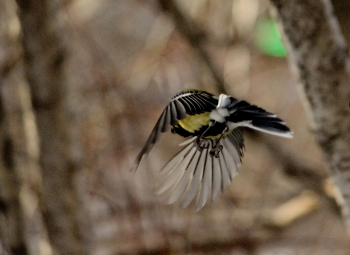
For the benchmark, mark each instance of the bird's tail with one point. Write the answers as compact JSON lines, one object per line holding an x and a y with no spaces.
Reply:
{"x":195,"y":174}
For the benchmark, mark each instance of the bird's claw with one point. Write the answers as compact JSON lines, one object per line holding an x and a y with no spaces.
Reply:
{"x":199,"y":145}
{"x":216,"y":151}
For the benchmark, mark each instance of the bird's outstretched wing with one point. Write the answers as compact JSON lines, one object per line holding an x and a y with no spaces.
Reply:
{"x":195,"y":173}
{"x":187,"y":102}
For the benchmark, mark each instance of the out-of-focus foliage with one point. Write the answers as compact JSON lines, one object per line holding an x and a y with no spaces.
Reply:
{"x":268,"y":38}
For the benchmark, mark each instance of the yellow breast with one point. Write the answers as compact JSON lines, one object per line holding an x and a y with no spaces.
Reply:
{"x":219,"y":134}
{"x":194,"y":122}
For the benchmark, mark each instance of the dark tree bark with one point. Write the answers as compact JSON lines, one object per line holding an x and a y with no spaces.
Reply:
{"x":11,"y":236}
{"x":318,"y":54}
{"x":21,"y":228}
{"x":11,"y":220}
{"x":67,"y":222}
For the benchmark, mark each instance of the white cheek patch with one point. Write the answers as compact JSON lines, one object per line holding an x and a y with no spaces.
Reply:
{"x":224,"y":101}
{"x":219,"y":114}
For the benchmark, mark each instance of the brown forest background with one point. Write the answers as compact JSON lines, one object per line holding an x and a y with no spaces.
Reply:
{"x":82,"y":83}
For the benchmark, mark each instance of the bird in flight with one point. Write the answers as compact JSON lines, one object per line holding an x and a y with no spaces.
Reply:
{"x":213,"y":152}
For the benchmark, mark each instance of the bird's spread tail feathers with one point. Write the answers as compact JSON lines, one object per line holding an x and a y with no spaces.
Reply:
{"x":196,"y":174}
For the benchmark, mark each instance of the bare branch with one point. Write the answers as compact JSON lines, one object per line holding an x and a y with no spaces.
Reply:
{"x":318,"y":54}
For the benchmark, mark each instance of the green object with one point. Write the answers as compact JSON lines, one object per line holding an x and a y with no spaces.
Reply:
{"x":268,"y":39}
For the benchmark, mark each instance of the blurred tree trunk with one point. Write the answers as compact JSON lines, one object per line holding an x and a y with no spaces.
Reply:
{"x":20,"y":175}
{"x":11,"y":218}
{"x":12,"y":238}
{"x":21,"y":226}
{"x":318,"y":53}
{"x":64,"y":185}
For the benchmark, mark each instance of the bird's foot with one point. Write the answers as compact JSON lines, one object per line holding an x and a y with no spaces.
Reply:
{"x":200,"y":144}
{"x":216,"y":150}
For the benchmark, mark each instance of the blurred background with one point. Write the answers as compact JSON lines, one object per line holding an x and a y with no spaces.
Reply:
{"x":124,"y":60}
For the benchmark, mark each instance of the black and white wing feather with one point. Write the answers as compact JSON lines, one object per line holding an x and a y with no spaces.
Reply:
{"x":241,"y":113}
{"x":187,"y":102}
{"x":196,"y":174}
